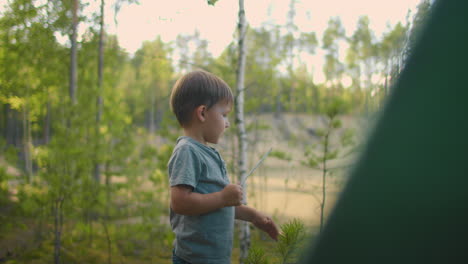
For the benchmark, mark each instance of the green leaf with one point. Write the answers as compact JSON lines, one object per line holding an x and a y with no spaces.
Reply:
{"x":16,"y":102}
{"x":157,"y":177}
{"x":281,"y":155}
{"x":347,"y":138}
{"x":312,"y":163}
{"x":212,"y":2}
{"x":331,"y":155}
{"x":336,"y":123}
{"x":320,"y":132}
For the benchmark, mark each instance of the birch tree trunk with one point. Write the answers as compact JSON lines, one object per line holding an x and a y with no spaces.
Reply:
{"x":97,"y":176}
{"x":73,"y":53}
{"x":244,"y":230}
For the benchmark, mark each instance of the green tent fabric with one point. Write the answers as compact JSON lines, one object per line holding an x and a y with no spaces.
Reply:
{"x":407,"y":199}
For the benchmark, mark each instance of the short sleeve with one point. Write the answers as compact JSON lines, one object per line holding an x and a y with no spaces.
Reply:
{"x":184,"y":167}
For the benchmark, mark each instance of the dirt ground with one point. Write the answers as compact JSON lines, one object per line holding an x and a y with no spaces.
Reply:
{"x":292,"y":192}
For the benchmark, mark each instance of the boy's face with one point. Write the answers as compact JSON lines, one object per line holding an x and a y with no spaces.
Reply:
{"x":216,"y":121}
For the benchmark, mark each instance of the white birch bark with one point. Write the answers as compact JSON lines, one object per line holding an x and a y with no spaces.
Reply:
{"x":244,"y":228}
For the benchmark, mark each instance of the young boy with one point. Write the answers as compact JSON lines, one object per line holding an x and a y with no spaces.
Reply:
{"x":203,"y":202}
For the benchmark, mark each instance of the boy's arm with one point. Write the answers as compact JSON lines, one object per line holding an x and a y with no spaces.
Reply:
{"x":186,"y":202}
{"x":245,"y":213}
{"x":258,"y":219}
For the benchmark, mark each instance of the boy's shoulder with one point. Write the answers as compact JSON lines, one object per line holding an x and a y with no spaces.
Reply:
{"x":185,"y":143}
{"x":184,"y":152}
{"x":187,"y":146}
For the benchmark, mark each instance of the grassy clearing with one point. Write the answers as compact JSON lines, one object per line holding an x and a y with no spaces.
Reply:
{"x":287,"y":189}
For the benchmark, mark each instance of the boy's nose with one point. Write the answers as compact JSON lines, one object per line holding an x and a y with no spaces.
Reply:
{"x":226,"y":124}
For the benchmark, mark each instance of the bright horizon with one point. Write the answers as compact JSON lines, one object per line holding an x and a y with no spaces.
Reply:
{"x":217,"y":24}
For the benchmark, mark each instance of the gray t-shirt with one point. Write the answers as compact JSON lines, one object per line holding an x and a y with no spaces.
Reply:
{"x":207,"y":238}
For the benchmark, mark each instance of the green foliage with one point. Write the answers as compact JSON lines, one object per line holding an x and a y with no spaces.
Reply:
{"x":317,"y":155}
{"x":147,"y":89}
{"x":32,"y":200}
{"x":311,"y":161}
{"x":4,"y":190}
{"x":11,"y":155}
{"x":290,"y":240}
{"x":257,"y":125}
{"x":256,"y":256}
{"x":348,"y":138}
{"x":333,"y":68}
{"x":422,"y":14}
{"x":286,"y":250}
{"x":329,"y":148}
{"x":281,"y":155}
{"x":334,"y":107}
{"x":393,"y":42}
{"x":212,"y":2}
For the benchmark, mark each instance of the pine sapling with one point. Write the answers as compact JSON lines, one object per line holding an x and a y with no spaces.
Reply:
{"x":327,"y":150}
{"x":256,"y":256}
{"x":289,"y":241}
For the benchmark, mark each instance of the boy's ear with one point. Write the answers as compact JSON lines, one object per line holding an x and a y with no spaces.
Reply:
{"x":200,"y":112}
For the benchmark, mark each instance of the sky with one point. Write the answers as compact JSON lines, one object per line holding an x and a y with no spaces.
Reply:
{"x":217,"y":24}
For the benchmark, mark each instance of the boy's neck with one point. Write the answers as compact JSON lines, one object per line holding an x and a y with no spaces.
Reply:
{"x":195,"y":134}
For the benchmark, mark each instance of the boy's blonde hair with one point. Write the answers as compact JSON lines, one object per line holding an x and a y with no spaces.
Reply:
{"x":197,"y":88}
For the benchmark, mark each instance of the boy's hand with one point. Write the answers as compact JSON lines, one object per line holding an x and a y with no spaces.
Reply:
{"x":232,"y":195}
{"x":265,"y":223}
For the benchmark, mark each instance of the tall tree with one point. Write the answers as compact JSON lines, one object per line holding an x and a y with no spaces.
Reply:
{"x":289,"y":46}
{"x":362,"y":54}
{"x":153,"y":70}
{"x":390,"y":52}
{"x":333,"y":68}
{"x":263,"y":58}
{"x":422,"y":13}
{"x":99,"y":89}
{"x":244,"y":237}
{"x":28,"y":46}
{"x":74,"y":52}
{"x":193,"y":51}
{"x":61,"y":193}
